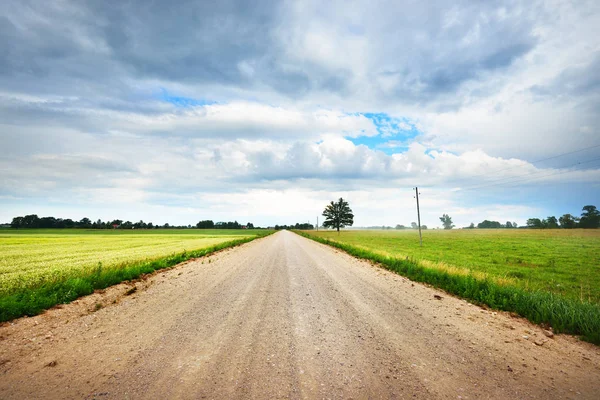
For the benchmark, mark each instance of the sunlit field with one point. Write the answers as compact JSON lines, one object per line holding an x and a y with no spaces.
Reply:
{"x":551,"y":277}
{"x":40,"y":260}
{"x":565,"y":261}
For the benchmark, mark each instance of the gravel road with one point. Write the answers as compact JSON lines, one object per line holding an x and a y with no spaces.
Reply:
{"x":285,"y":317}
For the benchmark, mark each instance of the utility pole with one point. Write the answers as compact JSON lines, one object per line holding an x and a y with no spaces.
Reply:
{"x":419,"y":215}
{"x":317,"y":223}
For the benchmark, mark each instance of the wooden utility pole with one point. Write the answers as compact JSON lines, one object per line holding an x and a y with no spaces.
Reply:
{"x":419,"y":215}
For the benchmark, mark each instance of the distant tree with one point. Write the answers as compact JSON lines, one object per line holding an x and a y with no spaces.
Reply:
{"x":515,"y":225}
{"x":338,"y":215}
{"x":206,"y":224}
{"x":31,"y":221}
{"x":424,"y":227}
{"x":85,"y":223}
{"x":228,"y":225}
{"x":17,"y":222}
{"x":472,"y":226}
{"x":535,"y":223}
{"x":250,"y":225}
{"x":446,"y":221}
{"x":489,"y":225}
{"x":590,"y":218}
{"x":413,"y":225}
{"x":48,"y":222}
{"x":551,"y":222}
{"x":508,"y":225}
{"x":303,"y":226}
{"x":400,"y":226}
{"x":140,"y":225}
{"x":568,"y":221}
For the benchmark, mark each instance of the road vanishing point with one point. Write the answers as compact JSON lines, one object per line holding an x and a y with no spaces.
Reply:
{"x":285,"y":317}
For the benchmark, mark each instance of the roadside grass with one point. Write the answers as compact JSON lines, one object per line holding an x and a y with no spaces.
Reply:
{"x":565,"y":314}
{"x":64,"y":275}
{"x":560,"y":261}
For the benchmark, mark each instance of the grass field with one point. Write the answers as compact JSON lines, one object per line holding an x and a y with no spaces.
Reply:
{"x":548,"y":276}
{"x":41,"y":268}
{"x":565,"y":262}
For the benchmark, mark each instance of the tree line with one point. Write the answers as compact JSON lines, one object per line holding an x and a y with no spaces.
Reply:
{"x":486,"y":224}
{"x":209,"y":224}
{"x":589,"y":219}
{"x":413,"y":225}
{"x":32,"y":221}
{"x":304,"y":226}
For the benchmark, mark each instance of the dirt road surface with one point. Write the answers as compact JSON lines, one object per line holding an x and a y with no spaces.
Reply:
{"x":285,"y":317}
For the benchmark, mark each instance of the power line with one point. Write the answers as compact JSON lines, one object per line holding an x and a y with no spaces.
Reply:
{"x":515,"y":179}
{"x":537,"y":161}
{"x":555,"y":173}
{"x":511,"y":178}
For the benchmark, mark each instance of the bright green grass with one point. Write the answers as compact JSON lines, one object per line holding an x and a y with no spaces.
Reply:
{"x":35,"y":265}
{"x":565,"y":262}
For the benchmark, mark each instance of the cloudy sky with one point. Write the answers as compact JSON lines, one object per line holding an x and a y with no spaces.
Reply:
{"x":264,"y":111}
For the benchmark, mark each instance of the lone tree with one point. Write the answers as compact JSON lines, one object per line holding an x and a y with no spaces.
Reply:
{"x":338,"y":215}
{"x":447,"y":221}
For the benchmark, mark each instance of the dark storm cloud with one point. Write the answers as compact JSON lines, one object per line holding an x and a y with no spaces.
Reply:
{"x":449,"y":77}
{"x":49,"y":49}
{"x":100,"y":48}
{"x":444,"y":47}
{"x":579,"y":81}
{"x":187,"y":41}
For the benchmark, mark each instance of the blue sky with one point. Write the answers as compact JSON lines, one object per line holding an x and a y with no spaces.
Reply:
{"x":180,"y":101}
{"x":393,"y":133}
{"x":266,"y":111}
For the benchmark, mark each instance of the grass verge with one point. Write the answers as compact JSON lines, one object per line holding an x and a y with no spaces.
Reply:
{"x":563,"y":314}
{"x":32,"y":301}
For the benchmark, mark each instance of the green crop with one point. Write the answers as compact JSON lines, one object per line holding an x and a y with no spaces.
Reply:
{"x":41,"y":268}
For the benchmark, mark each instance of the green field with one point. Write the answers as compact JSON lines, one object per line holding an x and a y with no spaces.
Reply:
{"x":548,"y":276}
{"x":40,"y":268}
{"x":562,"y":261}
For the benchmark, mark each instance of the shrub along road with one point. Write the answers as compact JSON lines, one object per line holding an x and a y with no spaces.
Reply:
{"x":285,"y":317}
